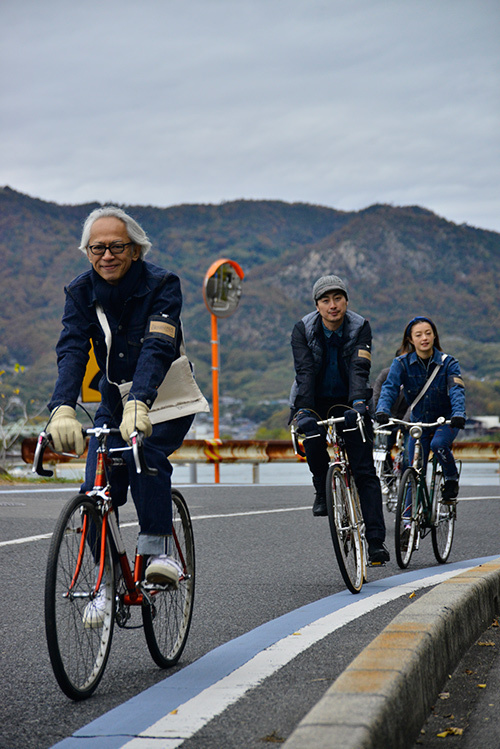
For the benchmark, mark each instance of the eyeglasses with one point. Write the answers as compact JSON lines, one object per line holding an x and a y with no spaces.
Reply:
{"x":116,"y":248}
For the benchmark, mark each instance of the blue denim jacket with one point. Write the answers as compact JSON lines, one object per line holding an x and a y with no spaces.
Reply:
{"x":445,"y":396}
{"x":140,"y":351}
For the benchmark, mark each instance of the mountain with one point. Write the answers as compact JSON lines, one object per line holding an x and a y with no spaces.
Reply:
{"x":397,"y":262}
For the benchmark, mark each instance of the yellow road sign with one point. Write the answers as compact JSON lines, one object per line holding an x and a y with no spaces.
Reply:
{"x":90,"y":390}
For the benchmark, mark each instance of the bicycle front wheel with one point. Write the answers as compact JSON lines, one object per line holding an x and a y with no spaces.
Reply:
{"x":344,"y":527}
{"x":168,"y":618}
{"x":443,"y":528}
{"x":406,"y":523}
{"x":79,"y":624}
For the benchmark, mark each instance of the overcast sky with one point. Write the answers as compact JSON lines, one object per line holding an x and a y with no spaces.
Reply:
{"x":343,"y":103}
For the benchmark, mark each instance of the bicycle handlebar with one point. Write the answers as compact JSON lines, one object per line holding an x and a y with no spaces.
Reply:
{"x":326,"y":423}
{"x":440,"y":421}
{"x":339,"y":419}
{"x":100,"y":433}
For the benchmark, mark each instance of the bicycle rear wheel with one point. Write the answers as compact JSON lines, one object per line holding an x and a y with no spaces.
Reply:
{"x":78,"y":644}
{"x":443,"y":528}
{"x":344,"y":527}
{"x":406,"y":524}
{"x":168,"y":618}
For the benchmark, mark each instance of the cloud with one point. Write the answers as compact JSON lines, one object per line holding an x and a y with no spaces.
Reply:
{"x":342,"y":104}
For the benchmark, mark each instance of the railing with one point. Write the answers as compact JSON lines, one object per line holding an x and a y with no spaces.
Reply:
{"x":256,"y":452}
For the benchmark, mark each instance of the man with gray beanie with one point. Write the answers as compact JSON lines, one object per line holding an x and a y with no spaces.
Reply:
{"x":332,"y":358}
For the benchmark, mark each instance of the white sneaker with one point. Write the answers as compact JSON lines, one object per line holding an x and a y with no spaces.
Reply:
{"x":163,"y":570}
{"x":94,"y":612}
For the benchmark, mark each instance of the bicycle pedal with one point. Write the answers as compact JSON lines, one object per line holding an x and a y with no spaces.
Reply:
{"x":377,"y":564}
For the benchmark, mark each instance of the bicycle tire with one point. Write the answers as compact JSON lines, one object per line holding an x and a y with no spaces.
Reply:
{"x":78,"y":651}
{"x":168,"y":619}
{"x":406,"y":528}
{"x":443,"y":527}
{"x":344,"y":529}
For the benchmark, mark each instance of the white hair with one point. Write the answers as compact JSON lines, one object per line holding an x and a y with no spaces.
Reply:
{"x":135,"y":232}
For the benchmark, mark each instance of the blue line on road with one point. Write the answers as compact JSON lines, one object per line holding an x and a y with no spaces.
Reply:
{"x":112,"y":729}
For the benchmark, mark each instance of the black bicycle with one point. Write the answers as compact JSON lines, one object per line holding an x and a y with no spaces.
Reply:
{"x":420,"y":508}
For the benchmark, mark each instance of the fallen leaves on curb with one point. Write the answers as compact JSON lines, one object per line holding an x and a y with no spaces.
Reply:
{"x":450,"y":732}
{"x":482,"y":686}
{"x":444,"y":696}
{"x":486,"y":644}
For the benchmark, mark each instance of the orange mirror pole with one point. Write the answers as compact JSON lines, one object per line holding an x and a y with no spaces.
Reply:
{"x":221,"y":293}
{"x":215,"y":388}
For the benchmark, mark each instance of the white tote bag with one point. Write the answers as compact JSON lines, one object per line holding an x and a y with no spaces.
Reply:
{"x":178,"y":394}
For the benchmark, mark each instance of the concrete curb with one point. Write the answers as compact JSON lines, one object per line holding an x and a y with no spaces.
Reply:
{"x":384,"y":697}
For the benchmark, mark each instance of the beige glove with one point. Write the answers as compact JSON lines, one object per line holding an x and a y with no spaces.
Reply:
{"x":66,"y":430}
{"x":135,"y":419}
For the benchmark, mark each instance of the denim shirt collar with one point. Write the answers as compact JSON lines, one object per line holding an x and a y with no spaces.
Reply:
{"x":437,"y":357}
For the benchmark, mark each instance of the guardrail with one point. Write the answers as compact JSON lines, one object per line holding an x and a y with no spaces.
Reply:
{"x":255,"y":452}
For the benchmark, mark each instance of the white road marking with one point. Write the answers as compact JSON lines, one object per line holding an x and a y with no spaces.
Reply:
{"x":188,"y":718}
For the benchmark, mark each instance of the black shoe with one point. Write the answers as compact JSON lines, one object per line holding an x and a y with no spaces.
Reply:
{"x":319,"y":506}
{"x":450,"y":492}
{"x":378,"y":552}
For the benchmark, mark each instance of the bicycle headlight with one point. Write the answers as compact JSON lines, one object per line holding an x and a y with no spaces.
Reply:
{"x":415,"y":432}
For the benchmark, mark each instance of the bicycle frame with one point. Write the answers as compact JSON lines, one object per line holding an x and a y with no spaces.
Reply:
{"x":137,"y":588}
{"x":345,"y":518}
{"x":426,"y":498}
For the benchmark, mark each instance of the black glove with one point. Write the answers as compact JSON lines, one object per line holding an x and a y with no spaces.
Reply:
{"x":351,"y":415}
{"x":382,"y":418}
{"x":306,"y":422}
{"x":350,"y":418}
{"x":457,"y":422}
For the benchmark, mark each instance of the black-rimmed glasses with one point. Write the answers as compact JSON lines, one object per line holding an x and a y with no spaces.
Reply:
{"x":116,"y":248}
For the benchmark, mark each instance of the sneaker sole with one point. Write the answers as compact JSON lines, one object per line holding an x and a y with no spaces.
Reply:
{"x":159,"y":578}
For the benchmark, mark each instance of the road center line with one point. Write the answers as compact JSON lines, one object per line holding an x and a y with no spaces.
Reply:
{"x":44,"y":536}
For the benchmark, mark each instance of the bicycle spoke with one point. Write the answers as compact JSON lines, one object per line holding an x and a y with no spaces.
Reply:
{"x":167,"y":620}
{"x":78,"y":640}
{"x":407,"y":526}
{"x":443,"y":528}
{"x":345,"y":524}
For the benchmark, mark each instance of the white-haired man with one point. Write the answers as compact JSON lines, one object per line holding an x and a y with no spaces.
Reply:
{"x":138,"y":298}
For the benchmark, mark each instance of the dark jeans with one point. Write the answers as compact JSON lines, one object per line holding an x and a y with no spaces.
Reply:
{"x":360,"y":456}
{"x":151,"y":494}
{"x":439,"y":441}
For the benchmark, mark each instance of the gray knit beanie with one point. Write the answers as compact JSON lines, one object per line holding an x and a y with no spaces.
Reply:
{"x":328,"y":283}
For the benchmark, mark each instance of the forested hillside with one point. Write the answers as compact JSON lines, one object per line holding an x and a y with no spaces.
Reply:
{"x":397,"y":262}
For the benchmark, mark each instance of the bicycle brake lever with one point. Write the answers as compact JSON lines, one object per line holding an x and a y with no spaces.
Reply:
{"x":141,"y":466}
{"x":361,"y":425}
{"x":42,"y":442}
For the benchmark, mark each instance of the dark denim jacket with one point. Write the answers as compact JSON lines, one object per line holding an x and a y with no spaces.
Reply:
{"x":137,"y":353}
{"x":445,"y":396}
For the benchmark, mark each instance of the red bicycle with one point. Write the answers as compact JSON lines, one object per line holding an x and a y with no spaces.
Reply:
{"x":87,"y":559}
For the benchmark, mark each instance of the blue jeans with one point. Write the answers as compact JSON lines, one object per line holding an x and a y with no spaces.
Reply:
{"x":439,"y":441}
{"x":151,"y":494}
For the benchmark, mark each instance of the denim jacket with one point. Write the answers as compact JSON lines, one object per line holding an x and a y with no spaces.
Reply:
{"x":444,"y":397}
{"x":140,"y":351}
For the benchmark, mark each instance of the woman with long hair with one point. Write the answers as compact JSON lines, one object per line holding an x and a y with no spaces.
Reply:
{"x":421,"y":355}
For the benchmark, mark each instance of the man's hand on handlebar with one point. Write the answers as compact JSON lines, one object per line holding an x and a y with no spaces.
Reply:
{"x":351,"y":415}
{"x":66,"y":430}
{"x":135,"y":419}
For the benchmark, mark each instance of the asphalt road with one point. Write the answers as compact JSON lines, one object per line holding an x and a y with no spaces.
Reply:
{"x":252,"y":566}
